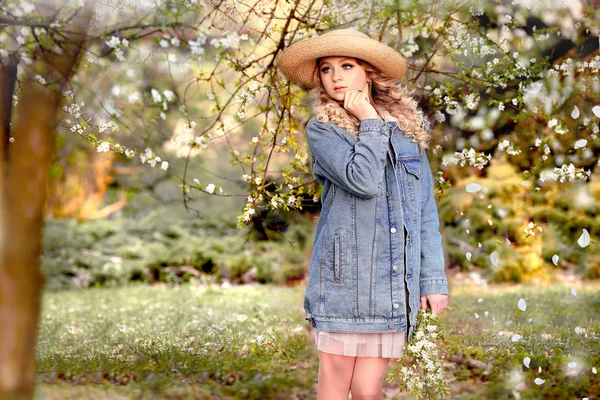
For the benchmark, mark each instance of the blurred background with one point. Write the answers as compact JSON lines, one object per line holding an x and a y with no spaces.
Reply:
{"x":180,"y":206}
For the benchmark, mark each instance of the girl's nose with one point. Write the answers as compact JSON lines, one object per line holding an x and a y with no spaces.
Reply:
{"x":337,"y":75}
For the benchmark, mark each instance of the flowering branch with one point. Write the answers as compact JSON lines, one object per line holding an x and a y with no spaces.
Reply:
{"x":420,"y":371}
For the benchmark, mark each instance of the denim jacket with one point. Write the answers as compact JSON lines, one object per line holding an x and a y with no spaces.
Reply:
{"x":378,"y":231}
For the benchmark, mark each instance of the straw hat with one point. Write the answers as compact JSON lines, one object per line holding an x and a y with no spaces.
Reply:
{"x":298,"y":61}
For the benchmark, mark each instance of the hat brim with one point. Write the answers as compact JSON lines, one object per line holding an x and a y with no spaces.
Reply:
{"x":298,"y":61}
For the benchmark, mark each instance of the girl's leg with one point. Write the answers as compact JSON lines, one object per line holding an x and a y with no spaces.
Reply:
{"x":335,"y":375}
{"x":368,"y":377}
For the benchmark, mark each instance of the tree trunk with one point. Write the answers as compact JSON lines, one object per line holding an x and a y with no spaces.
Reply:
{"x":23,"y":183}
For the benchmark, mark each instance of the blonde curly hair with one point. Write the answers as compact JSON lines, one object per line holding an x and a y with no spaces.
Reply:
{"x":389,"y":98}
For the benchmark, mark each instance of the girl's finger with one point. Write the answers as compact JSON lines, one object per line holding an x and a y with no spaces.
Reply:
{"x":348,"y":98}
{"x":366,"y":93}
{"x":351,"y":98}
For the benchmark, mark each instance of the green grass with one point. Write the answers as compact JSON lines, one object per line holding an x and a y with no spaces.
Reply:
{"x":484,"y":361}
{"x":243,"y":342}
{"x":188,"y":341}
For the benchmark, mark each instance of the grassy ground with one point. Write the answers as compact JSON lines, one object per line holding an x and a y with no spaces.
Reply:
{"x":248,"y":342}
{"x":243,"y":342}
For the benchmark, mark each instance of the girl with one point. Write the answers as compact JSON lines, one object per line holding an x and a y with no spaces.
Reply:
{"x":377,"y":254}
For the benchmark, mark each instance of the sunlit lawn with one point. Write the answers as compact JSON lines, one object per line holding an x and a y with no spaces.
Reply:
{"x":252,"y":342}
{"x":244,"y":342}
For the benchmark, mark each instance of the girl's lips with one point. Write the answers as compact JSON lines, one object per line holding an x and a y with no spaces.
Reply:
{"x":338,"y":89}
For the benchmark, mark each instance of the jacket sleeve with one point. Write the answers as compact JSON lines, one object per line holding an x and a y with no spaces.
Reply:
{"x":357,"y":168}
{"x":433,"y":278}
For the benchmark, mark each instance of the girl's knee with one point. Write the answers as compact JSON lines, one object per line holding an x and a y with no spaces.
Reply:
{"x":366,"y":393}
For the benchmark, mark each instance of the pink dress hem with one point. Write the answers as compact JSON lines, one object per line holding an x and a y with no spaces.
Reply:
{"x":385,"y":344}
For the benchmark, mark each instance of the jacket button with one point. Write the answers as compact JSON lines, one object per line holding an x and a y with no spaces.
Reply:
{"x":396,"y":305}
{"x":393,"y":230}
{"x":389,"y":194}
{"x":402,"y":202}
{"x":408,"y":276}
{"x":395,"y":268}
{"x":390,"y":326}
{"x":408,"y":238}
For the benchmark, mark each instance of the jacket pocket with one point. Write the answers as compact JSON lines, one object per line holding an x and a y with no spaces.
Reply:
{"x":413,"y":166}
{"x":337,"y":258}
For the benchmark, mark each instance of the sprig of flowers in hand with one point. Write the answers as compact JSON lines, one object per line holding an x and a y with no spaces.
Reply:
{"x":420,"y":370}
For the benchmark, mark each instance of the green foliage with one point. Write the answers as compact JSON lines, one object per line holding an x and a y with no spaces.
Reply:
{"x":525,"y":230}
{"x":163,"y":248}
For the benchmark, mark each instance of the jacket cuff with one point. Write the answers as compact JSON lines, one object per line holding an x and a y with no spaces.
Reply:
{"x":373,"y":125}
{"x":434,"y":286}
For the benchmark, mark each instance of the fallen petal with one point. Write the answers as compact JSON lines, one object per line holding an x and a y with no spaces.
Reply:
{"x":494,"y":257}
{"x":473,"y":187}
{"x":584,"y":239}
{"x":522,"y":305}
{"x":580,"y":144}
{"x":575,"y":113}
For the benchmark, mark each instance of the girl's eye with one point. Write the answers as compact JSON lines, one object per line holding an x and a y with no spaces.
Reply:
{"x":324,"y":69}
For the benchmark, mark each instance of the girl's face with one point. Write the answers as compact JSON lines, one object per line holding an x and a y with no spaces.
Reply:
{"x":339,"y":74}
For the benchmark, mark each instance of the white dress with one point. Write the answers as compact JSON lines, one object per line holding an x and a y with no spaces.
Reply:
{"x":384,"y":344}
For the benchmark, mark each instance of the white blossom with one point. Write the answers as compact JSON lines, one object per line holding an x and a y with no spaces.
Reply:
{"x":471,"y":101}
{"x":169,"y":95}
{"x":103,"y":147}
{"x":113,"y":42}
{"x":453,"y":107}
{"x":422,"y":350}
{"x":156,"y":96}
{"x":439,"y":116}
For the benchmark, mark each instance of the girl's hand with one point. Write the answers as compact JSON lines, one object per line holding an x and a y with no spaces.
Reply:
{"x":357,"y":102}
{"x":437,"y":302}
